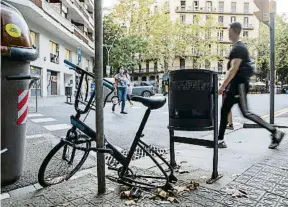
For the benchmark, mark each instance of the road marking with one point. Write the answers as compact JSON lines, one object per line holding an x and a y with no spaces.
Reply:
{"x":136,"y":107}
{"x":276,"y":113}
{"x":57,"y":127}
{"x":43,"y":120}
{"x":34,"y":115}
{"x":38,"y":136}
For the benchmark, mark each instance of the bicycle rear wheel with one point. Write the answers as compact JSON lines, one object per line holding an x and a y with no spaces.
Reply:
{"x":67,"y":158}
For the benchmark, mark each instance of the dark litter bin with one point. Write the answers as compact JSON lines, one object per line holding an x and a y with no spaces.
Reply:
{"x":16,"y":54}
{"x":191,"y":100}
{"x":193,"y":106}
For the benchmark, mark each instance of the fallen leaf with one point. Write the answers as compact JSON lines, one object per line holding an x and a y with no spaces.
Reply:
{"x":193,"y":186}
{"x":172,"y":200}
{"x":163,"y":194}
{"x":125,"y":194}
{"x":130,"y":203}
{"x":181,"y":188}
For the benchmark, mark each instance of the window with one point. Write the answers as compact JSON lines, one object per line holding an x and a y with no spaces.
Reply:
{"x":67,"y":54}
{"x":246,"y":8}
{"x":233,"y":7}
{"x":155,"y":9}
{"x":196,"y":5}
{"x":183,"y":5}
{"x":245,"y":33}
{"x":221,"y":19}
{"x":220,"y":66}
{"x":233,"y":19}
{"x":147,"y":66}
{"x":182,"y":18}
{"x":246,"y":22}
{"x":54,"y":52}
{"x":207,"y":64}
{"x":156,"y":65}
{"x":33,"y":38}
{"x":182,"y":63}
{"x":195,"y":19}
{"x":221,"y":6}
{"x":209,"y":6}
{"x":208,"y":34}
{"x":140,"y":67}
{"x":220,"y":35}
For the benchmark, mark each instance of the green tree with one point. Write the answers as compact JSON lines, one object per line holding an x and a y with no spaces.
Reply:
{"x":126,"y":52}
{"x":260,"y":46}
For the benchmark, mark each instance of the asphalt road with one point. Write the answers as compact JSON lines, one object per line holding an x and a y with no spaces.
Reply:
{"x":120,"y":129}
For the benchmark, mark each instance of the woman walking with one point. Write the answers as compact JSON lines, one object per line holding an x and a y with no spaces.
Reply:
{"x":121,"y":81}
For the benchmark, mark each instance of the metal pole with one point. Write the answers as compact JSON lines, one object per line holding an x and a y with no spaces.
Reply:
{"x":98,"y":70}
{"x":272,"y":65}
{"x":36,"y":96}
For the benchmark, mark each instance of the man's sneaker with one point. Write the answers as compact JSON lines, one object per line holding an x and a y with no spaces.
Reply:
{"x":230,"y":126}
{"x":276,"y":139}
{"x":123,"y":112}
{"x":222,"y":144}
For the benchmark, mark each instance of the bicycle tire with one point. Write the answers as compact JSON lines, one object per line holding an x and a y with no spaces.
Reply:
{"x":42,"y":170}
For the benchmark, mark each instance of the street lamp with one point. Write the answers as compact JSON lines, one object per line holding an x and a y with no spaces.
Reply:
{"x":109,"y":47}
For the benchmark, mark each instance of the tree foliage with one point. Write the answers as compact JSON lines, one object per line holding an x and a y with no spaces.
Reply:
{"x":260,"y":46}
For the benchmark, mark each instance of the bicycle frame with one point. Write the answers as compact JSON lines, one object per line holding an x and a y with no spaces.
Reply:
{"x":125,"y":161}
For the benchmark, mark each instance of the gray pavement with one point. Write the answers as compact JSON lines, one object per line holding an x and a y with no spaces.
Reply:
{"x":247,"y":164}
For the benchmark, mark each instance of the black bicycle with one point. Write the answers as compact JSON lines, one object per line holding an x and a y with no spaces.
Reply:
{"x":72,"y":151}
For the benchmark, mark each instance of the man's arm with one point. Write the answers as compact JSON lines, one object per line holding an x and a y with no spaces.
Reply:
{"x":235,"y":63}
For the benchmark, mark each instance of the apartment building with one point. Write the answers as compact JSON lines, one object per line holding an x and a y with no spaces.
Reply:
{"x":59,"y":28}
{"x":224,"y":12}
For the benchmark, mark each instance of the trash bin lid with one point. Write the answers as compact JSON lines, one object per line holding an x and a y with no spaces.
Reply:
{"x":15,"y":31}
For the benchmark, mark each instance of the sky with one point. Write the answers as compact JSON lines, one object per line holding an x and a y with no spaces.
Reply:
{"x":282,"y":5}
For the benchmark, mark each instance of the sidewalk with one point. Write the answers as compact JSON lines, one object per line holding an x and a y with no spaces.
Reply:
{"x":247,"y":164}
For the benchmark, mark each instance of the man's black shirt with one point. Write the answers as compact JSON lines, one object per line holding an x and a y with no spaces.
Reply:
{"x":240,"y":51}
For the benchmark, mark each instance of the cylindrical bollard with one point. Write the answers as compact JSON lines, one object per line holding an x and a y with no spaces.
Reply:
{"x":16,"y":52}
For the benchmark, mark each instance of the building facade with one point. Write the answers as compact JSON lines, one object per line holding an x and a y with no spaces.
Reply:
{"x":59,"y":30}
{"x":224,"y":13}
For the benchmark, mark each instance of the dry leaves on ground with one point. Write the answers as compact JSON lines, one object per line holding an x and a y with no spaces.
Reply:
{"x":235,"y":193}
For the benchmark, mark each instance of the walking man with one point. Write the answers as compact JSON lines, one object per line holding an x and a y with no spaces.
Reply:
{"x":236,"y":86}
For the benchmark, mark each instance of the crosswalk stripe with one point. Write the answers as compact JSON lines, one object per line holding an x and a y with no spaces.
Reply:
{"x":42,"y":120}
{"x":34,"y":115}
{"x":56,"y":127}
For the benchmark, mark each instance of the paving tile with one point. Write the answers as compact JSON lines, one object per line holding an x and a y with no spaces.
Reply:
{"x":270,"y":199}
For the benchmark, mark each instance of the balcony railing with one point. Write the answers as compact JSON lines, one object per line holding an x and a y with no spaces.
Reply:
{"x":202,"y":10}
{"x":78,"y":33}
{"x":248,"y":26}
{"x":57,"y":16}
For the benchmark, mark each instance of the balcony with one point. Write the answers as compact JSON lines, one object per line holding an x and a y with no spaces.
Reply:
{"x":248,"y":26}
{"x":202,"y":10}
{"x":80,"y":34}
{"x":57,"y":16}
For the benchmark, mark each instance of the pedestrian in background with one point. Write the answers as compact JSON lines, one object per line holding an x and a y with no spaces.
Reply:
{"x":129,"y":87}
{"x":121,"y":81}
{"x":236,"y":84}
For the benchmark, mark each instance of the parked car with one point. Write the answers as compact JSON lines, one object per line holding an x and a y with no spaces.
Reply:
{"x":142,"y":88}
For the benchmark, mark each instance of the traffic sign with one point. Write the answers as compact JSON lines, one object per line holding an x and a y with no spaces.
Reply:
{"x":79,"y":54}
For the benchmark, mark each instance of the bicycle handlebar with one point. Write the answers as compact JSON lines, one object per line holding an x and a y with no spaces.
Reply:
{"x":79,"y":70}
{"x":106,"y":83}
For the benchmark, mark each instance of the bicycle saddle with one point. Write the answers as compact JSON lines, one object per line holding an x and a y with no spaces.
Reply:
{"x":152,"y":103}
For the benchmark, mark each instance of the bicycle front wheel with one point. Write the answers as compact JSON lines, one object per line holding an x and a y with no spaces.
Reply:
{"x":63,"y":161}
